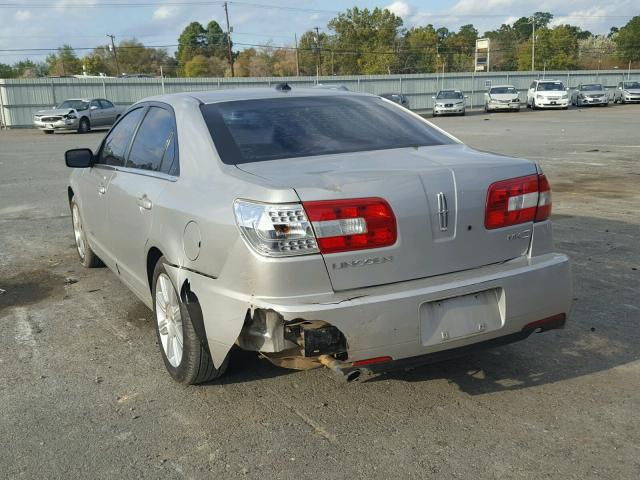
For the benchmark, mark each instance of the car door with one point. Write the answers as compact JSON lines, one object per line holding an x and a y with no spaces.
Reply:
{"x":109,"y":112}
{"x":135,"y":189}
{"x":94,"y":184}
{"x":96,"y":114}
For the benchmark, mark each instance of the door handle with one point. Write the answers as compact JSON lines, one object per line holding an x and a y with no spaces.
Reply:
{"x":144,"y":202}
{"x":102,"y":190}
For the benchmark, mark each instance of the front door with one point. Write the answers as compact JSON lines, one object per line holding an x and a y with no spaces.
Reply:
{"x":134,"y":193}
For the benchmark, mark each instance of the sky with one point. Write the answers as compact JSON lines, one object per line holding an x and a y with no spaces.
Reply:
{"x":83,"y":24}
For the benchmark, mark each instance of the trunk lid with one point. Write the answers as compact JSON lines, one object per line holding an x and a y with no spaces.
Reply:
{"x":437,"y":194}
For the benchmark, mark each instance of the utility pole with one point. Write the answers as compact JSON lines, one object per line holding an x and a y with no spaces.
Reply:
{"x":533,"y":43}
{"x":295,"y":39}
{"x":318,"y":53}
{"x":115,"y":55}
{"x":226,"y":14}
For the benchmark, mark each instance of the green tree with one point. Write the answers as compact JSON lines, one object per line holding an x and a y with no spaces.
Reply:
{"x":504,"y":48}
{"x":216,"y":41}
{"x":201,"y":66}
{"x":315,"y":52}
{"x":7,"y":71}
{"x":192,"y":42}
{"x":420,"y":50}
{"x":367,"y":41}
{"x":628,"y":40}
{"x":64,"y":62}
{"x":556,"y":49}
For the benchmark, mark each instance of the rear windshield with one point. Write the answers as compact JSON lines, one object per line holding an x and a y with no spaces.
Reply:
{"x":275,"y":128}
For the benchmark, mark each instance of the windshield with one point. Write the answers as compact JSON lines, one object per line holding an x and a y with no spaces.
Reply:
{"x":75,"y":104}
{"x":449,"y":94}
{"x":631,"y":84}
{"x":550,"y":86}
{"x":500,"y":90}
{"x":277,"y":128}
{"x":591,"y":87}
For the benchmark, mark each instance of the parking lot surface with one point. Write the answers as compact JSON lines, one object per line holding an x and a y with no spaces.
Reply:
{"x":84,"y":393}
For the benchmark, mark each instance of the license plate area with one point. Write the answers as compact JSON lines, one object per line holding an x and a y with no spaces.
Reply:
{"x":463,"y":316}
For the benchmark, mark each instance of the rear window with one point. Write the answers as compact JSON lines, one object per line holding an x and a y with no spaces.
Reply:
{"x":276,"y":128}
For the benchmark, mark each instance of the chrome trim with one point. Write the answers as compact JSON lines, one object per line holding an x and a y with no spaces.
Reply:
{"x":443,"y":212}
{"x":137,"y":171}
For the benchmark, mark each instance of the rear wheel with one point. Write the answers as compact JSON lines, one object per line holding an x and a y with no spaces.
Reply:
{"x":186,"y":358}
{"x":87,"y":257}
{"x":48,"y":132}
{"x":84,"y":126}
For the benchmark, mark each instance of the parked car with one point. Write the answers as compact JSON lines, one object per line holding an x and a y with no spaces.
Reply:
{"x":627,"y":92}
{"x":449,"y":102}
{"x":398,"y":98}
{"x":590,"y":94}
{"x":547,"y":94}
{"x":360,"y":237}
{"x":502,"y":97}
{"x":78,"y":114}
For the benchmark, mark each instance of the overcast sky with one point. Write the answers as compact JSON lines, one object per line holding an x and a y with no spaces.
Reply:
{"x":83,"y":24}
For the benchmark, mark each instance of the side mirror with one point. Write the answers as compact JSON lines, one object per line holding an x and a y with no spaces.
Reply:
{"x":466,"y":96}
{"x":79,"y":158}
{"x":93,"y":107}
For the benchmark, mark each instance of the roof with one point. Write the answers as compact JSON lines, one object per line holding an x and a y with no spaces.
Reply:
{"x":234,"y":94}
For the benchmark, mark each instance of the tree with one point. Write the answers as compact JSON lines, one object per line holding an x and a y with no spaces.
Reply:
{"x":64,"y":62}
{"x":367,"y":41}
{"x":420,"y":50}
{"x":192,"y":42}
{"x":201,"y":66}
{"x":216,"y":41}
{"x":7,"y":71}
{"x":628,"y":40}
{"x":314,"y":52}
{"x":556,"y":49}
{"x":460,"y":48}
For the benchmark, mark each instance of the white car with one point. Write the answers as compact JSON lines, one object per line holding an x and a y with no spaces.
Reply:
{"x":627,"y":92}
{"x":502,"y":97}
{"x":547,"y":94}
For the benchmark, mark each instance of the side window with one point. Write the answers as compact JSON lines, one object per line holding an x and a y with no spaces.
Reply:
{"x":94,"y":103}
{"x":116,"y":144}
{"x":169,"y":161}
{"x":106,"y":103}
{"x":532,"y":86}
{"x":150,"y":145}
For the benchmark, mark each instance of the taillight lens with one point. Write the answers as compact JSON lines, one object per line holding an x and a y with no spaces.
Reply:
{"x":275,"y":230}
{"x":353,"y":224}
{"x":518,"y":200}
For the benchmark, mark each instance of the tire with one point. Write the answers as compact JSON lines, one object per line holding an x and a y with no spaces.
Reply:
{"x":88,"y":258}
{"x":463,"y":113}
{"x":533,"y":104}
{"x":193,"y":364}
{"x":48,"y":132}
{"x":84,"y":126}
{"x":486,"y":108}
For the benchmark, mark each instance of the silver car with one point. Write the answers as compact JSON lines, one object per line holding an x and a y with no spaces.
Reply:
{"x":78,"y":114}
{"x":318,"y":227}
{"x":449,"y":102}
{"x":590,"y":94}
{"x":502,"y":97}
{"x":627,"y":92}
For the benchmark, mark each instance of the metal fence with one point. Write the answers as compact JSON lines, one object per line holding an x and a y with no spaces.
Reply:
{"x":19,"y":99}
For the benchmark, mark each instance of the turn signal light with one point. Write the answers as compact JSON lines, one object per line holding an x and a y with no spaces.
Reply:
{"x":353,"y":224}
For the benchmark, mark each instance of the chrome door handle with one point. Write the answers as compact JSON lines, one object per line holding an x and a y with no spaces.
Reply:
{"x":144,"y":202}
{"x":102,"y":190}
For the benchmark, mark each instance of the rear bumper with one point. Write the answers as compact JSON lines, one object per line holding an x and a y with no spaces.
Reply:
{"x":390,"y":320}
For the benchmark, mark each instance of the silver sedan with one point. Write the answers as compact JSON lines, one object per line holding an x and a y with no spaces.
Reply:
{"x":590,"y":94}
{"x":80,"y":114}
{"x":318,"y":227}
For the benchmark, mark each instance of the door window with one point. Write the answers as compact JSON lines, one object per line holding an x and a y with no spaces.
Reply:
{"x":94,"y":103}
{"x":149,"y":150}
{"x":106,"y":104}
{"x":115,"y":145}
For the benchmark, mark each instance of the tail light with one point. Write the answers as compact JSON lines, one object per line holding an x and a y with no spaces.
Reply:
{"x":275,"y":230}
{"x":354,"y":224}
{"x":518,"y":200}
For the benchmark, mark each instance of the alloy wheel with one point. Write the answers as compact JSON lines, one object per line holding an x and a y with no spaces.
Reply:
{"x":169,"y":320}
{"x":77,"y":230}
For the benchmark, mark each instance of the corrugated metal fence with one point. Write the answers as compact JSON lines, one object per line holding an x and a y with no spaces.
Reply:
{"x":19,"y":99}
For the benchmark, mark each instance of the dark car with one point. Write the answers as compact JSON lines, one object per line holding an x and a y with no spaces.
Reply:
{"x":398,"y":98}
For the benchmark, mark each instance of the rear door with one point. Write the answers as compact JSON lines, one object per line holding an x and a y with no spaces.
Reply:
{"x":150,"y":163}
{"x":109,"y":112}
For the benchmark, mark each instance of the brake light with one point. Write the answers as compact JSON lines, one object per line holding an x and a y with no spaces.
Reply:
{"x":354,"y":224}
{"x":518,"y":200}
{"x":371,"y":361}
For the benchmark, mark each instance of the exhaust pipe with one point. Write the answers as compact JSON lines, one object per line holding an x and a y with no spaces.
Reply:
{"x":336,"y":367}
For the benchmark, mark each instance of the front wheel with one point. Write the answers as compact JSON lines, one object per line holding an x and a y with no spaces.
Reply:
{"x":48,"y":132}
{"x":84,"y":126}
{"x":185,"y":356}
{"x":87,"y":257}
